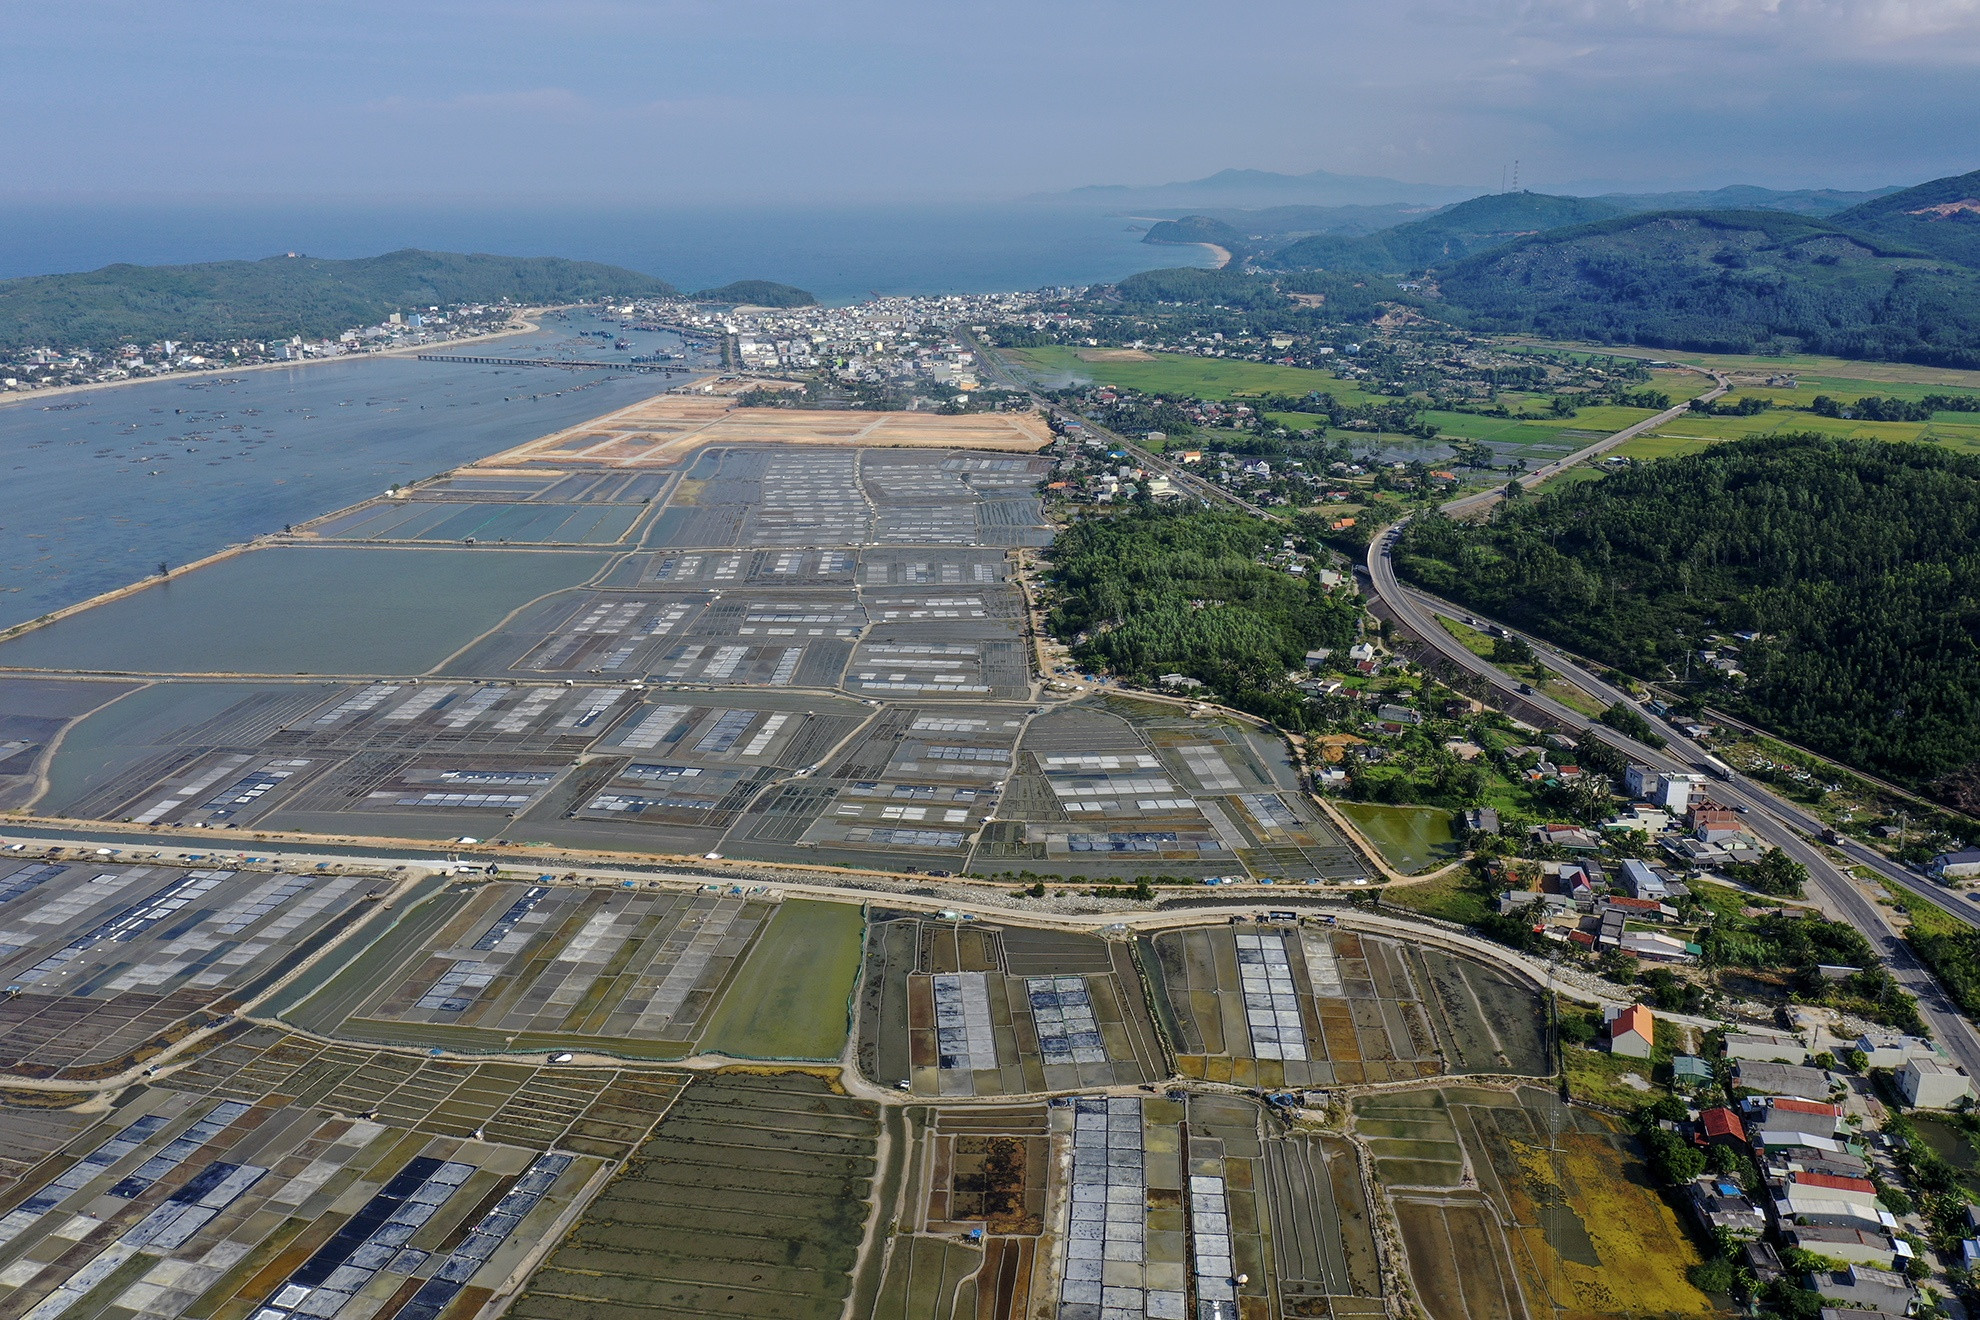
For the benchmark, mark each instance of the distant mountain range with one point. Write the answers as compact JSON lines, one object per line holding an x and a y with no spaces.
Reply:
{"x":1261,"y":192}
{"x":1417,"y":235}
{"x":1892,"y":274}
{"x":1228,"y":188}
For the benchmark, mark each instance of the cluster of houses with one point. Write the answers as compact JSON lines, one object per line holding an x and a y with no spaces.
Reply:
{"x":1819,"y":1171}
{"x":1676,"y":810}
{"x":1587,"y":903}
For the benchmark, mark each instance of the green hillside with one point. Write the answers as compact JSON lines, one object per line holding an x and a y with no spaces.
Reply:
{"x":1730,"y":282}
{"x":1855,"y":562}
{"x":1746,"y":197}
{"x":1941,"y":217}
{"x":1194,"y":229}
{"x":1447,"y":236}
{"x":282,"y":296}
{"x":758,"y":293}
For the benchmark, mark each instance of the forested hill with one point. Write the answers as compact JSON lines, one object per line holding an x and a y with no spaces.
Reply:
{"x":1858,"y":563}
{"x":283,"y":296}
{"x":1194,"y":229}
{"x":1941,"y":217}
{"x":758,"y":293}
{"x":1450,"y":234}
{"x":1153,"y":591}
{"x":1729,"y":281}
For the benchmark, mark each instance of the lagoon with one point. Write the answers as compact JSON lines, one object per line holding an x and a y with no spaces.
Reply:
{"x":305,"y":610}
{"x":102,"y":486}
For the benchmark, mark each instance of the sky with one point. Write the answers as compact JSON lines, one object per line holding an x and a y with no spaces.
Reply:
{"x":715,"y":101}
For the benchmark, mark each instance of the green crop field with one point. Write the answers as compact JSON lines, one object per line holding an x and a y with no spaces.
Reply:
{"x":1805,"y":365}
{"x":1197,"y":377}
{"x":1411,"y":839}
{"x":790,"y":997}
{"x":1535,"y":430}
{"x":1692,"y":432}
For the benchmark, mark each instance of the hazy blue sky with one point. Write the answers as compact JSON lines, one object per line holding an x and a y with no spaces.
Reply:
{"x":701,"y":100}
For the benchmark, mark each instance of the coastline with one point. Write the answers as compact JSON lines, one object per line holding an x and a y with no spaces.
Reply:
{"x":1217,"y":250}
{"x":527,"y":326}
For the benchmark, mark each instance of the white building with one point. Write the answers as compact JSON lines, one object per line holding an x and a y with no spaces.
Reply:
{"x":1931,"y":1084}
{"x":1961,"y":865}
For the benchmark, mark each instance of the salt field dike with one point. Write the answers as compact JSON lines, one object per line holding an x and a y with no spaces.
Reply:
{"x":584,"y":844}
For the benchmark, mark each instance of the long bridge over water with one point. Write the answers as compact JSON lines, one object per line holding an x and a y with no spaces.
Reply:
{"x":570,"y":363}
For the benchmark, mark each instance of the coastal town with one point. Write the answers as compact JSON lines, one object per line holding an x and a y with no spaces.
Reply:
{"x":35,"y":369}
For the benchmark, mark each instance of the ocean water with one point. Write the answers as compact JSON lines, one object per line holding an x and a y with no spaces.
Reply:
{"x":841,"y":254}
{"x":99,"y":487}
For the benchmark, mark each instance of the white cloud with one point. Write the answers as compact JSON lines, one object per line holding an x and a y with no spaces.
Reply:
{"x":1839,"y":25}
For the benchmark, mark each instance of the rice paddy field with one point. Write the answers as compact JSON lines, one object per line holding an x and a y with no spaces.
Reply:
{"x":1789,"y":382}
{"x":1959,"y":431}
{"x":1183,"y":373}
{"x":1512,"y":1204}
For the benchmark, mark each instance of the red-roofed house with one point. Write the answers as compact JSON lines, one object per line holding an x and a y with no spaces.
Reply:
{"x":1632,"y":1032}
{"x":1720,"y":1127}
{"x":1836,"y":1186}
{"x":1711,"y":822}
{"x":1641,"y":909}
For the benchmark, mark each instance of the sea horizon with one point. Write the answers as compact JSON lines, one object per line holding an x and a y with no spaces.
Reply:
{"x":841,"y":254}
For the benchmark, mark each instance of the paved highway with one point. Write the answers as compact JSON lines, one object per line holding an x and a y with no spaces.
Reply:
{"x":1777,"y":822}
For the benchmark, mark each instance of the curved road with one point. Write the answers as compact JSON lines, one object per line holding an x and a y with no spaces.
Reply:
{"x":1777,"y":822}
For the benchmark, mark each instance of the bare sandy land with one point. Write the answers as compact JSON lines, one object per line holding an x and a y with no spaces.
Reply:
{"x":1112,"y":355}
{"x":660,"y":431}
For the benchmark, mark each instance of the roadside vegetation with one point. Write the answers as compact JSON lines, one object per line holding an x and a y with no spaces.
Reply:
{"x":1846,"y":568}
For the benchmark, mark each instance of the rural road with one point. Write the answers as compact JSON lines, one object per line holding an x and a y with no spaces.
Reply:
{"x":1777,"y":822}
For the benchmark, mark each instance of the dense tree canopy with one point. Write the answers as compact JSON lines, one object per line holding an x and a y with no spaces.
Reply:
{"x":1156,"y":591}
{"x":1729,"y":282}
{"x":1857,"y":563}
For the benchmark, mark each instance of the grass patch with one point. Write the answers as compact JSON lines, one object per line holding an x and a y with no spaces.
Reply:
{"x":1559,"y":689}
{"x":1927,"y":918}
{"x":1411,"y":839}
{"x":1573,"y":697}
{"x":1471,"y":638}
{"x":1198,"y":377}
{"x":789,"y":999}
{"x":1449,"y":897}
{"x":1297,"y":421}
{"x":1596,"y":1075}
